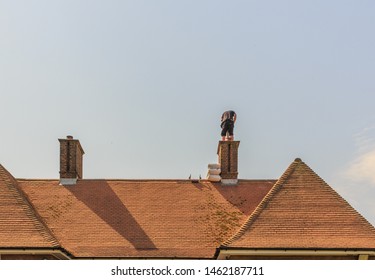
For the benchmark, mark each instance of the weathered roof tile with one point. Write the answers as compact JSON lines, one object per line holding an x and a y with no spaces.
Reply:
{"x":20,"y":225}
{"x":302,"y":211}
{"x":144,"y":218}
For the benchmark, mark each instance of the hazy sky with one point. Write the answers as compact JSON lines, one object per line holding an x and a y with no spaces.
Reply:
{"x":142,"y":85}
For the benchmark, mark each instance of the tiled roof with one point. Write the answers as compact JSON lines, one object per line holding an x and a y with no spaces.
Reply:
{"x":178,"y":218}
{"x":302,"y":211}
{"x":20,"y":226}
{"x":144,"y":218}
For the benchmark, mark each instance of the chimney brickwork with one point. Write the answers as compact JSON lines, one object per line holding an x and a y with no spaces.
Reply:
{"x":228,"y":160}
{"x":71,"y":163}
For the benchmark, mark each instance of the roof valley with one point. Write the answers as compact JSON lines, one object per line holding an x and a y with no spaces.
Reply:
{"x":276,"y":187}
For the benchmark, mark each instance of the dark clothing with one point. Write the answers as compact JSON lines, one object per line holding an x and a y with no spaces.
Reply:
{"x":227,"y":127}
{"x":227,"y":123}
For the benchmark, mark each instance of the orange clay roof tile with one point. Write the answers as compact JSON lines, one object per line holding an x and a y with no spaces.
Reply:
{"x":20,"y":225}
{"x":302,"y":211}
{"x":144,"y":218}
{"x":178,"y":218}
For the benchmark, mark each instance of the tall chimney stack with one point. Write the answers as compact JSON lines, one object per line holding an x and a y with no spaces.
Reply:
{"x":228,"y":160}
{"x":71,"y":155}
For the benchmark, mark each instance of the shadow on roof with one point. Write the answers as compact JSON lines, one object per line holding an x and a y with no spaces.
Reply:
{"x":105,"y":203}
{"x":247,"y":195}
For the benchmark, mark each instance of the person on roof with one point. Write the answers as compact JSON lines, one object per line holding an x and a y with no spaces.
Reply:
{"x":228,"y":118}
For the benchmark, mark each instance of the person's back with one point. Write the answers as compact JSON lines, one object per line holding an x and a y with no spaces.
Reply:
{"x":228,"y":119}
{"x":228,"y":115}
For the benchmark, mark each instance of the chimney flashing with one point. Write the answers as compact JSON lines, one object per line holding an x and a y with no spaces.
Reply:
{"x":68,"y":181}
{"x":229,"y":182}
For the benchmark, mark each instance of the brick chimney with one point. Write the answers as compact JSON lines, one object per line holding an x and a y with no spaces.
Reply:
{"x":228,"y":160}
{"x":71,"y":154}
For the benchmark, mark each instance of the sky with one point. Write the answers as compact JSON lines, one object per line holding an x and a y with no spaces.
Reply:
{"x":143,"y":84}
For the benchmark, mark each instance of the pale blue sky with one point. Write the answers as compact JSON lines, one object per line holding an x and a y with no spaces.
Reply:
{"x":143,"y":84}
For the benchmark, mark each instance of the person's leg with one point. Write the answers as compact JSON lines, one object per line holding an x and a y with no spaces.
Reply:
{"x":230,"y":131}
{"x":224,"y":131}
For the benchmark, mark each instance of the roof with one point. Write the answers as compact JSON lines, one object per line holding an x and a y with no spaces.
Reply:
{"x":178,"y":218}
{"x":302,"y":211}
{"x":20,"y":226}
{"x":144,"y":218}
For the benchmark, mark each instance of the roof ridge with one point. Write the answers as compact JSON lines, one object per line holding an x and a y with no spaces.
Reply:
{"x":276,"y":187}
{"x":30,"y":212}
{"x":301,"y":168}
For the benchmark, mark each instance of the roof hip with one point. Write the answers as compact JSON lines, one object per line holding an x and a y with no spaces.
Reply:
{"x":302,"y":210}
{"x":264,"y":202}
{"x":29,"y":213}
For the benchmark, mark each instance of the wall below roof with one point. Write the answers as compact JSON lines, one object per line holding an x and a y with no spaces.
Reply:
{"x":26,"y":257}
{"x":293,"y":258}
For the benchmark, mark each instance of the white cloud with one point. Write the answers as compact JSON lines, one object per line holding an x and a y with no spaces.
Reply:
{"x":356,"y":182}
{"x":363,"y":168}
{"x":365,"y":139}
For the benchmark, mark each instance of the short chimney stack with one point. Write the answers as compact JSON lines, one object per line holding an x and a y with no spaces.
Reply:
{"x":71,"y":161}
{"x":228,"y":160}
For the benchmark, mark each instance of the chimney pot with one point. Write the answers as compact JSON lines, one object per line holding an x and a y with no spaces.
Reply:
{"x":69,"y":137}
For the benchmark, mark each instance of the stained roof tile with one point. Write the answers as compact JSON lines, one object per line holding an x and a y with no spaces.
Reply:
{"x":144,"y":218}
{"x":302,"y":211}
{"x":178,"y":218}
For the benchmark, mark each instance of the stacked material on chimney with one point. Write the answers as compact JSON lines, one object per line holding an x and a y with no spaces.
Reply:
{"x":213,"y":173}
